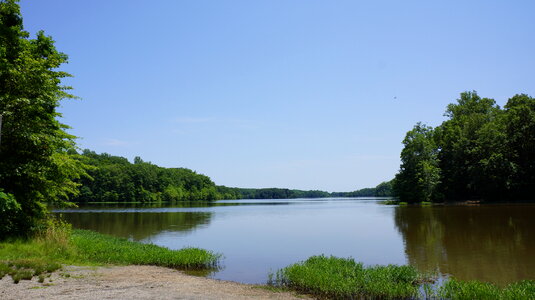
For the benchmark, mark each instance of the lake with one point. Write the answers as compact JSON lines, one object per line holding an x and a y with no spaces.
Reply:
{"x":493,"y":243}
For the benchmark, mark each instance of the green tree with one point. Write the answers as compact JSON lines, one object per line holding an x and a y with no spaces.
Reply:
{"x":114,"y":178}
{"x":35,"y":164}
{"x":483,"y":152}
{"x":519,"y":123}
{"x":384,"y":189}
{"x":465,"y":158}
{"x":419,"y":172}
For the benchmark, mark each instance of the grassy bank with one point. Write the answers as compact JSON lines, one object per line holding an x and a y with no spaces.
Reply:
{"x":23,"y":259}
{"x":339,"y":278}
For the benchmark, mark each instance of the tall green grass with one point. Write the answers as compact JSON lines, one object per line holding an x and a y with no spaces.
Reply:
{"x":58,"y":245}
{"x":340,"y":278}
{"x":99,"y":248}
{"x":467,"y":290}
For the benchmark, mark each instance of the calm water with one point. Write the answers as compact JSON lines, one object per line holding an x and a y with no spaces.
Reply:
{"x":493,"y":242}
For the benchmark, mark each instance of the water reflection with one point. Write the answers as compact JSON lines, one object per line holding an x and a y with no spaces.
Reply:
{"x":489,"y":242}
{"x":492,"y":243}
{"x":165,"y":207}
{"x":137,"y":225}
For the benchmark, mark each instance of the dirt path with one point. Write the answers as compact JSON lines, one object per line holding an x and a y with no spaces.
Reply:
{"x":131,"y":282}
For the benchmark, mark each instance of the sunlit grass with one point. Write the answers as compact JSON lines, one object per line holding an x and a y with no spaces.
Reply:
{"x":460,"y":290}
{"x":99,"y":248}
{"x":26,"y":269}
{"x":340,"y":278}
{"x":47,"y":252}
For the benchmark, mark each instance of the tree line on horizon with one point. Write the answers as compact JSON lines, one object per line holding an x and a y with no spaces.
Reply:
{"x":481,"y":152}
{"x":384,"y":189}
{"x":115,"y":179}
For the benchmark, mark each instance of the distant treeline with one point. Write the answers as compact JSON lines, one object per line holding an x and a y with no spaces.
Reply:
{"x":115,"y":179}
{"x":384,"y":189}
{"x":481,"y":152}
{"x":272,"y":193}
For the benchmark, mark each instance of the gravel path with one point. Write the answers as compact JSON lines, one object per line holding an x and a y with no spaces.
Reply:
{"x":131,"y":282}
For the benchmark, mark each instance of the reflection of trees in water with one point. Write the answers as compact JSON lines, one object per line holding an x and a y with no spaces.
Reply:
{"x":137,"y":225}
{"x":492,"y":243}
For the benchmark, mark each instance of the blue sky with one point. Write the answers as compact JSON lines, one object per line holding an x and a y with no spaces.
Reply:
{"x":296,"y":94}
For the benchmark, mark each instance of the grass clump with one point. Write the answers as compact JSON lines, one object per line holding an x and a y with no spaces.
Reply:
{"x":4,"y":270}
{"x":460,"y":290}
{"x":26,"y":269}
{"x":38,"y":265}
{"x":456,"y":289}
{"x":340,"y":278}
{"x":22,"y":275}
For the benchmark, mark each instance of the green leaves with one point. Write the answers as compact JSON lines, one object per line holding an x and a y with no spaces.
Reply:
{"x":115,"y":179}
{"x":481,"y":153}
{"x":10,"y":212}
{"x":519,"y":120}
{"x":34,"y":165}
{"x":419,"y":173}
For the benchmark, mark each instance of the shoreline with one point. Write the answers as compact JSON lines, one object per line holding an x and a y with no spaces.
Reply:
{"x":134,"y":282}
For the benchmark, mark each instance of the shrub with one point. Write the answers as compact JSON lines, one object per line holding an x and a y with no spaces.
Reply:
{"x":10,"y":215}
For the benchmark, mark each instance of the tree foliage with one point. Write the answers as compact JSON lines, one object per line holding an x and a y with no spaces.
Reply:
{"x":35,"y":166}
{"x":481,"y":152}
{"x":419,"y":173}
{"x":277,"y":193}
{"x":383,"y":189}
{"x":519,"y":125}
{"x":115,"y":179}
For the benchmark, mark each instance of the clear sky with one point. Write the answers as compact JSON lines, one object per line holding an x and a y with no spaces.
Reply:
{"x":296,"y":94}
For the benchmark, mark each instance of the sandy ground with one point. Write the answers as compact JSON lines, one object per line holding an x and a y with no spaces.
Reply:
{"x":131,"y":282}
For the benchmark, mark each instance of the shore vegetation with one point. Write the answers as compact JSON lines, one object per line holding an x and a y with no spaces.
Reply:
{"x":115,"y":179}
{"x":59,"y":245}
{"x":339,"y":278}
{"x":344,"y":278}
